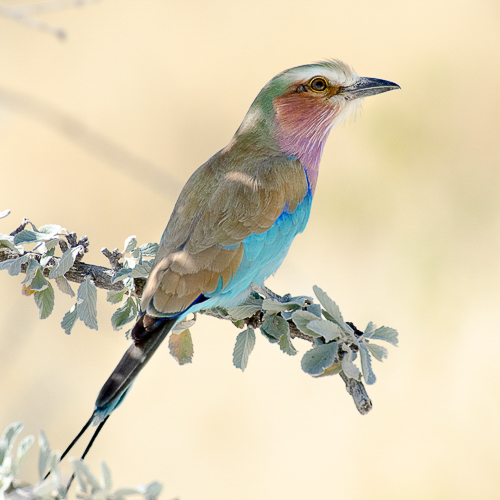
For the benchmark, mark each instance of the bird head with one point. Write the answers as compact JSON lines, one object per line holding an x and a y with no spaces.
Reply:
{"x":298,"y":108}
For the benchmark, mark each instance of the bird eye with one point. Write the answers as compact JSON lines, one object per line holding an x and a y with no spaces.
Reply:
{"x":318,"y":84}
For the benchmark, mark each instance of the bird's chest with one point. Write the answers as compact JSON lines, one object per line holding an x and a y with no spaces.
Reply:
{"x":265,"y":252}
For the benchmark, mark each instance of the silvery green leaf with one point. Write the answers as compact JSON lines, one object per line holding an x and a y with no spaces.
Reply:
{"x":286,"y":345}
{"x":245,"y":310}
{"x":51,"y":229}
{"x":137,"y":255}
{"x":318,"y":358}
{"x":6,"y":264}
{"x":366,"y":364}
{"x":44,"y":456}
{"x":350,"y":369}
{"x":274,"y":327}
{"x":124,"y":314}
{"x":327,"y":329}
{"x":329,"y":305}
{"x":55,"y":470}
{"x":153,"y":490}
{"x":142,"y":270}
{"x":130,"y":244}
{"x":301,"y":320}
{"x":115,"y":297}
{"x":22,"y":449}
{"x":65,"y":262}
{"x":45,"y":301}
{"x":39,"y":282}
{"x":149,"y":249}
{"x":129,"y":262}
{"x":4,"y":213}
{"x":183,"y":325}
{"x":7,"y":240}
{"x":46,"y":246}
{"x":8,"y":436}
{"x":378,"y":352}
{"x":28,"y":236}
{"x":272,"y":305}
{"x":83,"y":468}
{"x":300,"y":299}
{"x":43,"y":490}
{"x":385,"y":333}
{"x":69,"y":320}
{"x":272,"y":340}
{"x":129,"y":283}
{"x":15,"y":268}
{"x":370,"y":327}
{"x":87,"y":309}
{"x":105,"y":477}
{"x":5,"y":483}
{"x":63,"y":285}
{"x":46,"y":257}
{"x":123,"y":273}
{"x":80,"y":476}
{"x":315,"y":309}
{"x":123,"y":492}
{"x":245,"y":343}
{"x":33,"y":265}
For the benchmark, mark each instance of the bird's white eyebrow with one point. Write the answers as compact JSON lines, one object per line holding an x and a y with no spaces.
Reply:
{"x":336,"y":73}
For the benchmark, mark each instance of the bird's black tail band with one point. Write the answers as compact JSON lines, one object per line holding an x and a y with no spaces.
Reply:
{"x":132,"y":362}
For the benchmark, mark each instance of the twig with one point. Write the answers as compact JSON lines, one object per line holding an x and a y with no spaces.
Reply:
{"x":23,"y":14}
{"x":114,"y":258}
{"x":354,"y":387}
{"x":358,"y":392}
{"x":23,"y":224}
{"x":102,"y":276}
{"x":92,"y":141}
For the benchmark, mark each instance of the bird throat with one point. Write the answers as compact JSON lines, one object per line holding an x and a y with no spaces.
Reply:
{"x":302,"y":128}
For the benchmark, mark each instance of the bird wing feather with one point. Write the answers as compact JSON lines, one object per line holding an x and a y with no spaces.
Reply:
{"x":221,"y":205}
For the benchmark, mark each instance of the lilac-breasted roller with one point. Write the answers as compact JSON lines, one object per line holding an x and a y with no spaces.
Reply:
{"x":238,"y":214}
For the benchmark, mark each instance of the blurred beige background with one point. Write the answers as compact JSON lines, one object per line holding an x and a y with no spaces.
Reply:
{"x":404,"y":232}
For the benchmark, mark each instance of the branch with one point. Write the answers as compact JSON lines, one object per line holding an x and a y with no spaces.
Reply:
{"x":79,"y":271}
{"x":24,"y":14}
{"x":92,"y":141}
{"x":358,"y":392}
{"x":331,"y":331}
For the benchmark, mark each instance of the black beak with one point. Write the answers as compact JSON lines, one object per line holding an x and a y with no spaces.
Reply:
{"x":365,"y":87}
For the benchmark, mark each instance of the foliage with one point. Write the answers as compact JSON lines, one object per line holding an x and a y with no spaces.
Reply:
{"x":338,"y":347}
{"x":52,"y":487}
{"x":336,"y":342}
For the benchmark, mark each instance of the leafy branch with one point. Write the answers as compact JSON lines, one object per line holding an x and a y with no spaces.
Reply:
{"x":53,"y":487}
{"x":338,"y":346}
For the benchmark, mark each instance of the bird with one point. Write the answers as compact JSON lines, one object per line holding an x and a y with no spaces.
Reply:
{"x":238,"y":213}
